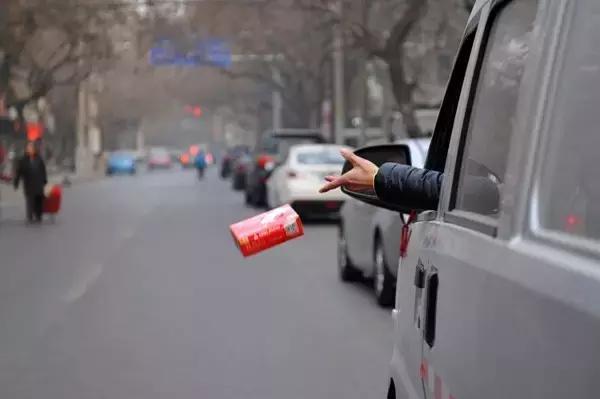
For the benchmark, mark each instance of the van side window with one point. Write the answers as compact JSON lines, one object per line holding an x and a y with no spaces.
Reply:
{"x":438,"y":149}
{"x":493,"y":107}
{"x":569,"y":189}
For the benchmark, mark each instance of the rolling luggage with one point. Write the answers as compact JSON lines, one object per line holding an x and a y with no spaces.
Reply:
{"x":53,"y":200}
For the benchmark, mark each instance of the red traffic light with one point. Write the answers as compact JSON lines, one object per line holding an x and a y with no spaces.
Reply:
{"x":195,"y":110}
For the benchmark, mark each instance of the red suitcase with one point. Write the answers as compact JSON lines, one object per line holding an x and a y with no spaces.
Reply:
{"x":53,"y":200}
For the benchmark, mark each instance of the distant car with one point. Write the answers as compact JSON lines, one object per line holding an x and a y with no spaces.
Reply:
{"x":273,"y":148}
{"x":369,"y":237}
{"x":230,"y":158}
{"x":159,"y":158}
{"x":296,"y":181}
{"x":239,"y":171}
{"x":121,"y":162}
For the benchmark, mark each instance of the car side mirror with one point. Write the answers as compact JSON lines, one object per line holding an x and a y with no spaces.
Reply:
{"x":380,"y":154}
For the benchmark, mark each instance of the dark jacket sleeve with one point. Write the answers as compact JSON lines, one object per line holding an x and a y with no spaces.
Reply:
{"x":412,"y":187}
{"x":18,"y":173}
{"x":43,"y":172}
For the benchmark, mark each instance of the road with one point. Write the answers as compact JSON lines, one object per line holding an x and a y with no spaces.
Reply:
{"x":137,"y":291}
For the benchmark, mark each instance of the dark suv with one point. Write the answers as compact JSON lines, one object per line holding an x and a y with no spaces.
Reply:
{"x":272,"y":149}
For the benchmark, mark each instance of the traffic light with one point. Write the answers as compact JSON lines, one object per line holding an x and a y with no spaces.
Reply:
{"x":194,"y":110}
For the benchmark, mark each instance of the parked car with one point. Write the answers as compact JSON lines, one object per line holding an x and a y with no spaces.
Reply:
{"x":230,"y":157}
{"x":296,"y":181}
{"x":240,"y":169}
{"x":159,"y":158}
{"x":498,"y":296}
{"x":272,"y":149}
{"x":369,"y":237}
{"x":121,"y":162}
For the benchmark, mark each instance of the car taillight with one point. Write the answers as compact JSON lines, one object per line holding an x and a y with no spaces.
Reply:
{"x":263,"y":160}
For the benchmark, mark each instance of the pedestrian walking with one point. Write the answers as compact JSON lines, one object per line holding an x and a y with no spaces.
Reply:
{"x":31,"y":169}
{"x":200,"y":163}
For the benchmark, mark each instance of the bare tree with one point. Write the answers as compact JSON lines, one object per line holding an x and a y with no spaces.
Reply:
{"x":51,"y":43}
{"x":276,"y":46}
{"x":400,"y":35}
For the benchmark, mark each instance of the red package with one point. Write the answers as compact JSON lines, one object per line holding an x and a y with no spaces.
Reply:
{"x":267,"y":230}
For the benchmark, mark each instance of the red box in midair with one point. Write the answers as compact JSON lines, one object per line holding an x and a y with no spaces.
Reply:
{"x":267,"y":230}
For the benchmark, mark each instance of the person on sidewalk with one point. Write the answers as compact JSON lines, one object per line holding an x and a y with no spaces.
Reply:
{"x":32,"y":170}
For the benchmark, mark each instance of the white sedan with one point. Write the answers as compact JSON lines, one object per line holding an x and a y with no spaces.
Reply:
{"x":297,"y":180}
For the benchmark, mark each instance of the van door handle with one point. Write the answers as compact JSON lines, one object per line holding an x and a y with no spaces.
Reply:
{"x":419,"y":285}
{"x":420,"y":275}
{"x":431,"y":307}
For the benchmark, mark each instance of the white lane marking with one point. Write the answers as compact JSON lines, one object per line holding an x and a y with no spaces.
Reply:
{"x":127,"y":234}
{"x":81,"y":286}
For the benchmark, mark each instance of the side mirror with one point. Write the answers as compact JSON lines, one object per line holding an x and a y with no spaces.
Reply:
{"x":380,"y":154}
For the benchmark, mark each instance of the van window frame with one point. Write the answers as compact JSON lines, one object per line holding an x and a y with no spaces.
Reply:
{"x":563,"y":241}
{"x":472,"y":220}
{"x":440,"y":142}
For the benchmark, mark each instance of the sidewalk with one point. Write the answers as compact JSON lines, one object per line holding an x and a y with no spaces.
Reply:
{"x":9,"y":198}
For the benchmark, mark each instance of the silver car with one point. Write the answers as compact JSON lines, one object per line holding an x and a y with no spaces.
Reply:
{"x":498,"y":296}
{"x":369,"y":238}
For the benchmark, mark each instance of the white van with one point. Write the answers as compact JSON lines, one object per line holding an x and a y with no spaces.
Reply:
{"x":500,"y":299}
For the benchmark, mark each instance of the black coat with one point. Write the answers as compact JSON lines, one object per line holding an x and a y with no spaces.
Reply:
{"x":415,"y":187}
{"x":33,"y":173}
{"x":420,"y":189}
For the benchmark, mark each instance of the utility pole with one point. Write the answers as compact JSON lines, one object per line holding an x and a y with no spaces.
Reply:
{"x":277,"y":104}
{"x":364,"y":80}
{"x":338,"y":74}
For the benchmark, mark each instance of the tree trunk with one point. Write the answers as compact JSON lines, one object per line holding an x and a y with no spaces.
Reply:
{"x":393,"y":55}
{"x":5,"y":74}
{"x":403,"y":93}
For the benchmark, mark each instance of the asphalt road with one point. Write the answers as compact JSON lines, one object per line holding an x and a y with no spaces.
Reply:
{"x":137,"y":291}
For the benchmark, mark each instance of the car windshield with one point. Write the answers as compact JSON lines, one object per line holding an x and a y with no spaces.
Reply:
{"x":320,"y":157}
{"x":281,"y":144}
{"x":122,"y":155}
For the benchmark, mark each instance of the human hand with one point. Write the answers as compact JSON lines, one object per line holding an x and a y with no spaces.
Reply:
{"x":360,"y":178}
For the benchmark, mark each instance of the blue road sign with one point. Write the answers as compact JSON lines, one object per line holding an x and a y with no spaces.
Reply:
{"x":208,"y":52}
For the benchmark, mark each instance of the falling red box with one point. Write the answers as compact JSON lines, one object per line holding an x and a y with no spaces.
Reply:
{"x":267,"y":230}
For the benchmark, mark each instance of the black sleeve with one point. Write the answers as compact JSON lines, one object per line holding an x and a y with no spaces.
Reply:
{"x":414,"y":187}
{"x":18,"y":173}
{"x":44,"y":174}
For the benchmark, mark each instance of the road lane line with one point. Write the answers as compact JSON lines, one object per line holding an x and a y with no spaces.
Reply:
{"x":81,"y":286}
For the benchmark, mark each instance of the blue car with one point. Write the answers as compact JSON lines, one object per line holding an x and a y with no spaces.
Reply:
{"x":120,"y":163}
